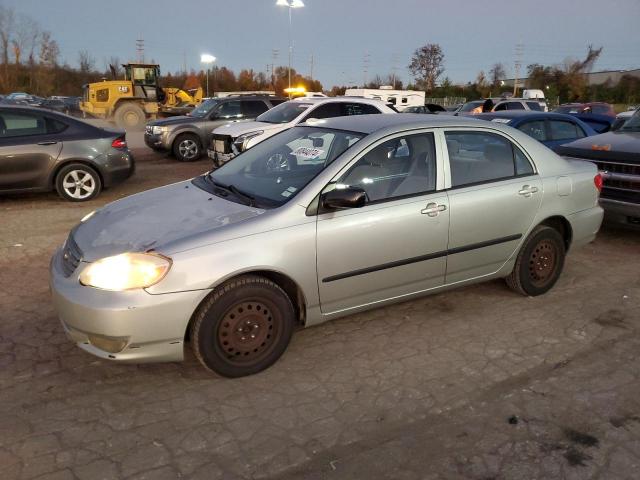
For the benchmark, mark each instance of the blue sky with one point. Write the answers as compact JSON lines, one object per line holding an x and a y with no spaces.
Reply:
{"x":340,"y":34}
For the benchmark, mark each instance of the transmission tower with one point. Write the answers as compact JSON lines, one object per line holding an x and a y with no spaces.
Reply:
{"x":518,"y":64}
{"x":140,"y":49}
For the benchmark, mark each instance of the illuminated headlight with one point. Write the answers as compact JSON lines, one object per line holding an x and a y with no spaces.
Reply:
{"x":157,"y":130}
{"x":242,"y":141}
{"x":126,"y":271}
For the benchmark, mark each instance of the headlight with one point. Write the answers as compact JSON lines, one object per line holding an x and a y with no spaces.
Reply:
{"x":242,"y":141}
{"x":126,"y":271}
{"x":157,"y":130}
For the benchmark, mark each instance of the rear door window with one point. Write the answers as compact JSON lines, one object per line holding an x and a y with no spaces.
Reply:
{"x":563,"y":130}
{"x":480,"y":157}
{"x":231,"y":109}
{"x":535,"y":129}
{"x":358,"y":109}
{"x":327,"y":110}
{"x":515,"y":106}
{"x":18,"y":124}
{"x":55,"y":126}
{"x":534,"y":106}
{"x":253,"y":108}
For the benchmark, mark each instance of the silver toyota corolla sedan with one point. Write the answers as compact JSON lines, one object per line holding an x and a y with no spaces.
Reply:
{"x":320,"y":221}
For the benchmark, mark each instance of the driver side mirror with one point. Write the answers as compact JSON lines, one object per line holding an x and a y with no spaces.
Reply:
{"x":339,"y":198}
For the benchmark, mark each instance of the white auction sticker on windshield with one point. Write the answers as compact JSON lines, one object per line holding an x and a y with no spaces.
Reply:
{"x":306,"y":152}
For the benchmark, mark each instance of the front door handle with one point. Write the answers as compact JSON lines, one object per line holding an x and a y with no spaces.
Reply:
{"x":527,"y":191}
{"x":433,"y":209}
{"x":50,"y":142}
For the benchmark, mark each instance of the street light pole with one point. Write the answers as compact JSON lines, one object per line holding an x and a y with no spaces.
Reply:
{"x":207,"y":59}
{"x":290,"y":4}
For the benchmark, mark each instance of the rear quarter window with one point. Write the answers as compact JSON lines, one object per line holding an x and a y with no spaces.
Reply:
{"x":534,"y":106}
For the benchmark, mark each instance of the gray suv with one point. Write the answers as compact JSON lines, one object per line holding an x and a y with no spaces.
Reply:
{"x":186,"y":135}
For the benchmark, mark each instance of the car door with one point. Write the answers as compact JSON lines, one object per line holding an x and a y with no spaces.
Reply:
{"x":494,"y":196}
{"x":563,"y":131}
{"x":396,"y":244}
{"x":27,"y":150}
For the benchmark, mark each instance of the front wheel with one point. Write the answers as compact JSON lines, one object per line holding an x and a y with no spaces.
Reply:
{"x":243,"y":327}
{"x":78,"y":183}
{"x":186,"y":147}
{"x":539,"y":263}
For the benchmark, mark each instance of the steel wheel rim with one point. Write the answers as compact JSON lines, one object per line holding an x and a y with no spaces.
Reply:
{"x":79,"y":184}
{"x":248,"y":332}
{"x":188,"y":148}
{"x":543,"y":262}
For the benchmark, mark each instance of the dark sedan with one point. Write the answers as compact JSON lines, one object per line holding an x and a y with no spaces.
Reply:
{"x":41,"y":150}
{"x":551,"y":129}
{"x":617,"y":155}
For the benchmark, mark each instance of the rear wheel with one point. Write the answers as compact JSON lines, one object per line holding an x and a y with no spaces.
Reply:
{"x":539,"y":263}
{"x":186,"y":147}
{"x":243,"y":327}
{"x":78,"y":183}
{"x":130,"y":115}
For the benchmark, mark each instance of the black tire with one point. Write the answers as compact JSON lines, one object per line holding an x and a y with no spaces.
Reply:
{"x":539,"y":263}
{"x":243,"y":327}
{"x":187,"y":147}
{"x":129,"y":115}
{"x":77,"y":182}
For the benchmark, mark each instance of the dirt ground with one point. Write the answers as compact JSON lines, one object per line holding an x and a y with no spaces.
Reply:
{"x":478,"y":383}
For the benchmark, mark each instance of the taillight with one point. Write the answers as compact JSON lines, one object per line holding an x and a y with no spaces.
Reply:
{"x":598,"y":182}
{"x":119,"y":142}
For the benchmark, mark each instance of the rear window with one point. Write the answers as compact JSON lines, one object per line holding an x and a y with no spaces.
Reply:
{"x":20,"y":124}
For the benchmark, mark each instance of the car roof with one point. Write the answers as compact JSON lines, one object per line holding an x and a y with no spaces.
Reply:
{"x":372,"y":123}
{"x":317,"y":100}
{"x":525,"y":114}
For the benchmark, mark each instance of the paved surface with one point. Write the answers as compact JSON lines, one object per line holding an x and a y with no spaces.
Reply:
{"x":478,"y":383}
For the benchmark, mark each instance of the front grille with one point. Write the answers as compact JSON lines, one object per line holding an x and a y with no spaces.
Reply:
{"x":623,"y":181}
{"x":71,"y":256}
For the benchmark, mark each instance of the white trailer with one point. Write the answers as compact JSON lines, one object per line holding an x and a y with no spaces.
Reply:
{"x":400,"y":99}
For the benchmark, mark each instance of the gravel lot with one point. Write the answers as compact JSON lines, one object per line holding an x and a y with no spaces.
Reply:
{"x":478,"y":383}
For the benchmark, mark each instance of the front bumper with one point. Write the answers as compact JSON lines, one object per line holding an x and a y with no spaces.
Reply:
{"x":218,"y":158}
{"x":621,"y":212}
{"x":155,"y":141}
{"x":149,"y":328}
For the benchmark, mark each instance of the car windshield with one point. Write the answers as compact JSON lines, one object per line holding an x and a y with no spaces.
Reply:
{"x":283,"y":113}
{"x":633,"y":123}
{"x":467,"y":107}
{"x":275,"y":170}
{"x":204,"y":108}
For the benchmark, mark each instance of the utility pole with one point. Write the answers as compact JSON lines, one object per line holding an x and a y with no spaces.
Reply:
{"x":140,"y":49}
{"x":518,"y":64}
{"x":394,"y":68}
{"x":311,"y":74}
{"x":365,"y":68}
{"x":184,"y":62}
{"x":274,"y":57}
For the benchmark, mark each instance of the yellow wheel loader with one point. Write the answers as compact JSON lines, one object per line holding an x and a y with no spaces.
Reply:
{"x":130,"y":102}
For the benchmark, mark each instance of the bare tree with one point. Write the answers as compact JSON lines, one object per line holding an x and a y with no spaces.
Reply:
{"x":426,"y":65}
{"x":6,"y":32}
{"x":496,"y":74}
{"x":86,"y":61}
{"x":114,"y":66}
{"x":25,"y":37}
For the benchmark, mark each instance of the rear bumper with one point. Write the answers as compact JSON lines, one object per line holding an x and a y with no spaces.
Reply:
{"x":585,"y":225}
{"x":120,"y":167}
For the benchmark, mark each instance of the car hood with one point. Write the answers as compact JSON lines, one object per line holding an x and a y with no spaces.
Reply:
{"x":153,"y":219}
{"x":239,"y":128}
{"x":180,"y":119}
{"x":618,"y":145}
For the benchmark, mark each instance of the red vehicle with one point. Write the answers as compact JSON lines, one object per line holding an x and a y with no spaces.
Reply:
{"x":598,"y":108}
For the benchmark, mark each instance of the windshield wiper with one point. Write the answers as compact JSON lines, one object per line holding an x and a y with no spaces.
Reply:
{"x":246,"y":198}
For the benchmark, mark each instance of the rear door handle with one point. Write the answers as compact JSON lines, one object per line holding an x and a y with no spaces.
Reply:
{"x":50,"y":142}
{"x":433,"y":209}
{"x":527,"y":191}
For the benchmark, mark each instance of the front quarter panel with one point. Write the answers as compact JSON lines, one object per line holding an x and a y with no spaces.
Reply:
{"x":289,"y":250}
